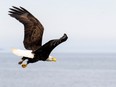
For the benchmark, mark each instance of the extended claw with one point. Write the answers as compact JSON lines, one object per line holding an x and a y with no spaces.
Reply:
{"x":24,"y":65}
{"x":20,"y":62}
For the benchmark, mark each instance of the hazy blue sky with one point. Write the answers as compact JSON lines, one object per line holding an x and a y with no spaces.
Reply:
{"x":89,"y":24}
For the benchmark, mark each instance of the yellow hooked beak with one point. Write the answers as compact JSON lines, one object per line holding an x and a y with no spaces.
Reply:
{"x":54,"y":59}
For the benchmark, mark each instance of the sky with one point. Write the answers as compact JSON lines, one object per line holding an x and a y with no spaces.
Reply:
{"x":89,"y":24}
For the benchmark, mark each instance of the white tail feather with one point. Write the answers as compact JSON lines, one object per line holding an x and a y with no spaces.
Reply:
{"x":25,"y":53}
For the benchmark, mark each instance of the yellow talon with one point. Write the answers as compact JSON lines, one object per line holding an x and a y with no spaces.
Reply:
{"x":24,"y":65}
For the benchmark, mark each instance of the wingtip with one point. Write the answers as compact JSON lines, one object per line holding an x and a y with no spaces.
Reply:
{"x":64,"y":37}
{"x":65,"y":34}
{"x":20,"y":6}
{"x":14,"y":7}
{"x":10,"y":11}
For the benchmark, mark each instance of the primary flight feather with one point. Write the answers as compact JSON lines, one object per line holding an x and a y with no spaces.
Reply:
{"x":33,"y":29}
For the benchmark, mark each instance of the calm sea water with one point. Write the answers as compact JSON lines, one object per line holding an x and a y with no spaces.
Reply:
{"x":70,"y":70}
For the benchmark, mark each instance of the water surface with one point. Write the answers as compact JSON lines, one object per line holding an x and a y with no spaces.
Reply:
{"x":70,"y":70}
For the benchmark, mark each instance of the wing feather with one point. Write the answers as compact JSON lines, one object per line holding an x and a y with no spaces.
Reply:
{"x":45,"y":50}
{"x":33,"y":29}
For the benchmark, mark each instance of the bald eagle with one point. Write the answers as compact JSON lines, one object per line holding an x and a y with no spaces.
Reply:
{"x":33,"y":32}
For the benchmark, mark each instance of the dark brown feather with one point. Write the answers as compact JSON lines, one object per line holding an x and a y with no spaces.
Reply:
{"x":44,"y":51}
{"x":33,"y":29}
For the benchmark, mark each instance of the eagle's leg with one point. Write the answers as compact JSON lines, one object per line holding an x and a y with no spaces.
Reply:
{"x":23,"y":59}
{"x":25,"y":65}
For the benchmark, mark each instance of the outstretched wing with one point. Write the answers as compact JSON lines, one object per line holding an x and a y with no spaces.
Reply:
{"x":45,"y":50}
{"x":33,"y":29}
